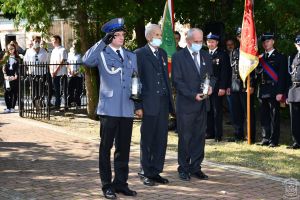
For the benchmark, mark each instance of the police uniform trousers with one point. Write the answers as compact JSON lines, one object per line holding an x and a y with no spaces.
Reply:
{"x":11,"y":95}
{"x":215,"y":116}
{"x":191,"y":132}
{"x":154,"y":137}
{"x":270,"y":120}
{"x":239,"y":112}
{"x":295,"y":121}
{"x":118,"y":131}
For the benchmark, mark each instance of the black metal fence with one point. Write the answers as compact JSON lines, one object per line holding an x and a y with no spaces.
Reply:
{"x":41,"y":95}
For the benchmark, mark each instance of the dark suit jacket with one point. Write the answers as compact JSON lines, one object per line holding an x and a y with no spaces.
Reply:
{"x":222,"y":69}
{"x":148,"y":66}
{"x":187,"y":80}
{"x":280,"y":65}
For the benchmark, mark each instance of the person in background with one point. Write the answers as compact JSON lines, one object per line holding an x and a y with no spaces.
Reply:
{"x":238,"y":95}
{"x":11,"y":62}
{"x":75,"y":77}
{"x":19,"y":49}
{"x":36,"y":58}
{"x":222,"y":72}
{"x":272,"y":88}
{"x":177,"y":40}
{"x":294,"y":97}
{"x":58,"y":70}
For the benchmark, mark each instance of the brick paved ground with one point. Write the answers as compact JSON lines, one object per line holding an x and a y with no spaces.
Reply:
{"x":42,"y":161}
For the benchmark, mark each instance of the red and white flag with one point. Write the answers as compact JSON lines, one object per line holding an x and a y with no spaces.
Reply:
{"x":248,"y":47}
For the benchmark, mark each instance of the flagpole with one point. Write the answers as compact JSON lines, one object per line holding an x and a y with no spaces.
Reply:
{"x":248,"y":111}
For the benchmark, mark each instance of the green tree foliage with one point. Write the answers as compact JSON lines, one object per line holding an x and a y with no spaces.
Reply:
{"x":278,"y":16}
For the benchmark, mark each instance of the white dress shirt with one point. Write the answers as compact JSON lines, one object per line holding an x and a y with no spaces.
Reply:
{"x":74,"y":60}
{"x":34,"y":58}
{"x":58,"y":55}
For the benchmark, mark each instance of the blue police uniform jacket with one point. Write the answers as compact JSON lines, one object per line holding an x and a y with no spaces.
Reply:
{"x":115,"y":79}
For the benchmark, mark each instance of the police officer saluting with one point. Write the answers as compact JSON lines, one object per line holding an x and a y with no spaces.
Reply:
{"x":294,"y":97}
{"x":222,"y":72}
{"x":116,"y":66}
{"x":272,"y":73}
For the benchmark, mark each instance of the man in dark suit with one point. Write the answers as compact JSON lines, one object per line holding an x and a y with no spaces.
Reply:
{"x":155,"y":107}
{"x":222,"y":72}
{"x":190,"y":67}
{"x":273,"y":72}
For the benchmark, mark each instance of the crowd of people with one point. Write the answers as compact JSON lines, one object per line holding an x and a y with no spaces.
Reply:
{"x":201,"y":79}
{"x":63,"y":69}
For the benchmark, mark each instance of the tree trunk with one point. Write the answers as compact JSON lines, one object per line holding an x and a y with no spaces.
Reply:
{"x":91,"y":74}
{"x":140,"y":32}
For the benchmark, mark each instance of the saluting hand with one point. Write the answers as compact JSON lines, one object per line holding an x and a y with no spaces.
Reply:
{"x":108,"y":38}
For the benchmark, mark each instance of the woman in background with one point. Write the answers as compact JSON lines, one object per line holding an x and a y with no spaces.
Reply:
{"x":11,"y":62}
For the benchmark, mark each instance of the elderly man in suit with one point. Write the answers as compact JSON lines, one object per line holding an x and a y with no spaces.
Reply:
{"x":155,"y":107}
{"x":116,"y":66}
{"x":190,"y":67}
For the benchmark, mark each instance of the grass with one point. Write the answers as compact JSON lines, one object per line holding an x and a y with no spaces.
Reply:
{"x":273,"y":161}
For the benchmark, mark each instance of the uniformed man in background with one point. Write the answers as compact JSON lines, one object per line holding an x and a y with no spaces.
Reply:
{"x":294,"y":97}
{"x":116,"y":66}
{"x":222,"y":72}
{"x":239,"y":98}
{"x":272,"y":73}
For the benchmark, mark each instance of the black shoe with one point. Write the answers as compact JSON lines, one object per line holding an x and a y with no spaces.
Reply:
{"x":160,"y":179}
{"x":109,"y":193}
{"x":148,"y":181}
{"x":294,"y":146}
{"x":126,"y":191}
{"x":200,"y":175}
{"x":272,"y":145}
{"x":264,"y":143}
{"x":209,"y":137}
{"x":141,"y":175}
{"x":218,"y":139}
{"x":184,"y":176}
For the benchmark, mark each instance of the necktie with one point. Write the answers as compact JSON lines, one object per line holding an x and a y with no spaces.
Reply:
{"x":156,"y":54}
{"x":211,"y":53}
{"x":266,"y":55}
{"x":196,"y":61}
{"x":119,"y":54}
